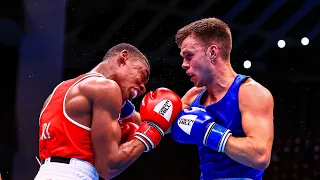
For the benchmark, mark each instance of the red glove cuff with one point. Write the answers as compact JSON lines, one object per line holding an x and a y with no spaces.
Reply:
{"x":149,"y":134}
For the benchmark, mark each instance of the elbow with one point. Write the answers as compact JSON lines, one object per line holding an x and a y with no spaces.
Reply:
{"x":262,"y":157}
{"x":262,"y":162}
{"x":105,"y":171}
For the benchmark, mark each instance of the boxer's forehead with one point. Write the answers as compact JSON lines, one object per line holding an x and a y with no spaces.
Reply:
{"x":190,"y":44}
{"x":190,"y":49}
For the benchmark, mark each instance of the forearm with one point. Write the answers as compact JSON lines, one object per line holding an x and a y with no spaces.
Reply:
{"x":248,"y":151}
{"x":127,"y":153}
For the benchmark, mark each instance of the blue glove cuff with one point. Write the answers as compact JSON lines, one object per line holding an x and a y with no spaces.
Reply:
{"x":127,"y":110}
{"x":216,"y":137}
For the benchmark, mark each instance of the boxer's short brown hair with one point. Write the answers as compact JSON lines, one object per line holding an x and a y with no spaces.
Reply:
{"x":208,"y":30}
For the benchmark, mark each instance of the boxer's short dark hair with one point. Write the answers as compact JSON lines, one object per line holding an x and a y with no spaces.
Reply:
{"x":134,"y":52}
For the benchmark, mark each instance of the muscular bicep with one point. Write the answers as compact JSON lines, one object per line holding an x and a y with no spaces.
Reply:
{"x":105,"y":130}
{"x":257,"y":126}
{"x":256,"y":106}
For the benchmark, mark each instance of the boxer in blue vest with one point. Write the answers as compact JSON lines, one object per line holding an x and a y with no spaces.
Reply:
{"x":227,"y":115}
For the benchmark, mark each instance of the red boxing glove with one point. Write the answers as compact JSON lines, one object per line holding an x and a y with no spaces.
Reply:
{"x":127,"y":131}
{"x":160,"y":107}
{"x":158,"y":110}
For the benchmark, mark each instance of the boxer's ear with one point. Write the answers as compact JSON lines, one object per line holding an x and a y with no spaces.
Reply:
{"x":212,"y":51}
{"x":123,"y":57}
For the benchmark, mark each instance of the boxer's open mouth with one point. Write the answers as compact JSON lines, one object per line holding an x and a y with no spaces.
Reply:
{"x":192,"y":76}
{"x":189,"y":74}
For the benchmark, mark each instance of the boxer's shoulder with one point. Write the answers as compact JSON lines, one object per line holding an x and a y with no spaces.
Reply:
{"x":190,"y":95}
{"x":252,"y":92}
{"x":251,"y":86}
{"x":95,"y":87}
{"x":98,"y":83}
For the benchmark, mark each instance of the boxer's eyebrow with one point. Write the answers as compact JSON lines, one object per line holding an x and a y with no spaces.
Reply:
{"x":145,"y":74}
{"x":185,"y":51}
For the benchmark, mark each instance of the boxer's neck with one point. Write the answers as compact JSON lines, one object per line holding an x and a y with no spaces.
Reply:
{"x":106,"y":69}
{"x":224,"y":76}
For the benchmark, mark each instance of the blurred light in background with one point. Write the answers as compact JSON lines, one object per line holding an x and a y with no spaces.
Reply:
{"x":305,"y":41}
{"x":281,"y":43}
{"x":247,"y":64}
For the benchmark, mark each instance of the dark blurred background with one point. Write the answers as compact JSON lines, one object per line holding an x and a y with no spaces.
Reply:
{"x":45,"y":42}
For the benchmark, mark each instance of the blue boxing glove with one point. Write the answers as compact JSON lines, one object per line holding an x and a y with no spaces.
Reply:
{"x":127,"y":110}
{"x":196,"y":126}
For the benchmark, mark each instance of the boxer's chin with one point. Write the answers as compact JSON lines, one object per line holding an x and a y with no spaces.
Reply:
{"x":199,"y":84}
{"x":196,"y":84}
{"x":133,"y":94}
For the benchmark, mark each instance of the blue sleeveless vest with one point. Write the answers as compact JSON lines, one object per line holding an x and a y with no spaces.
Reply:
{"x":226,"y":113}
